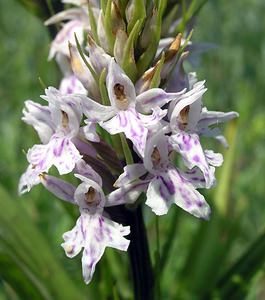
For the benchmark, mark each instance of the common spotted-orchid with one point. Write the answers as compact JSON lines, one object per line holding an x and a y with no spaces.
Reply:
{"x":125,"y":102}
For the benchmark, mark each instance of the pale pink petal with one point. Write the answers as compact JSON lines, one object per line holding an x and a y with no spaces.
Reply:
{"x":94,"y":233}
{"x":214,"y":159}
{"x":60,"y":152}
{"x":131,"y":173}
{"x":28,"y":179}
{"x":39,"y":117}
{"x":82,"y":168}
{"x":188,"y":145}
{"x":60,"y":188}
{"x":65,"y":35}
{"x":128,"y":193}
{"x":171,"y":187}
{"x":117,"y":76}
{"x":71,"y":85}
{"x":146,"y":101}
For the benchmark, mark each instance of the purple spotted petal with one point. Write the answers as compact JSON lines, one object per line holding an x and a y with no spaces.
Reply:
{"x":214,"y":159}
{"x":60,"y":152}
{"x":146,"y":101}
{"x":60,"y":188}
{"x":39,"y":117}
{"x":94,"y":233}
{"x":82,"y":168}
{"x":71,"y":85}
{"x":131,"y":173}
{"x":28,"y":179}
{"x":128,"y":193}
{"x":188,"y":145}
{"x":129,"y":122}
{"x":209,"y":118}
{"x":171,"y":187}
{"x":117,"y":76}
{"x":65,"y":35}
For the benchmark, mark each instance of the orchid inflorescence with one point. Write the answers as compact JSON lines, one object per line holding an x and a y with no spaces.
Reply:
{"x":125,"y":101}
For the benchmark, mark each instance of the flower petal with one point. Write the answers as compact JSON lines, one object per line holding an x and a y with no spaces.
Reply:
{"x":209,"y":118}
{"x":60,"y":152}
{"x":28,"y":179}
{"x":71,"y":85}
{"x":155,"y":97}
{"x":94,"y":111}
{"x":127,"y":194}
{"x":115,"y":77}
{"x":188,"y":145}
{"x":65,"y":35}
{"x":171,"y":187}
{"x":82,"y":168}
{"x":214,"y":159}
{"x":187,"y":99}
{"x":89,"y":131}
{"x":94,"y":233}
{"x":39,"y":117}
{"x":60,"y":188}
{"x":131,"y":173}
{"x":129,"y":122}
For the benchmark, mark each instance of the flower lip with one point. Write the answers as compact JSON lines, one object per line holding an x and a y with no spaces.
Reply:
{"x":121,"y":100}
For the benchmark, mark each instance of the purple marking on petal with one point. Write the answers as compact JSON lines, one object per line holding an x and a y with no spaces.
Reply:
{"x":123,"y":120}
{"x":168,"y":184}
{"x":186,"y":141}
{"x":58,"y":151}
{"x":196,"y":158}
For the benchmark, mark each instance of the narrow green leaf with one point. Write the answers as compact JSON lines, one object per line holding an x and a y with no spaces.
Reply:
{"x":138,"y":15}
{"x":155,"y":82}
{"x":80,"y":51}
{"x":30,"y":249}
{"x":128,"y":62}
{"x":108,"y":27}
{"x":93,"y":24}
{"x":234,"y":282}
{"x":103,"y":89}
{"x":126,"y":150}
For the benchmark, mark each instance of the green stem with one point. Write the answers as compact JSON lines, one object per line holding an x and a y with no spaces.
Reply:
{"x":140,"y":261}
{"x":157,"y":258}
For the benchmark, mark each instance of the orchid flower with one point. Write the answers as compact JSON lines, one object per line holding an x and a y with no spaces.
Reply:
{"x":186,"y":122}
{"x":123,"y":115}
{"x":58,"y":126}
{"x":78,"y":21}
{"x":164,"y":183}
{"x":94,"y":230}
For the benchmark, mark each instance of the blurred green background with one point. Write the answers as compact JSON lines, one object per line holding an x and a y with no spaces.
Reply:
{"x":201,"y":260}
